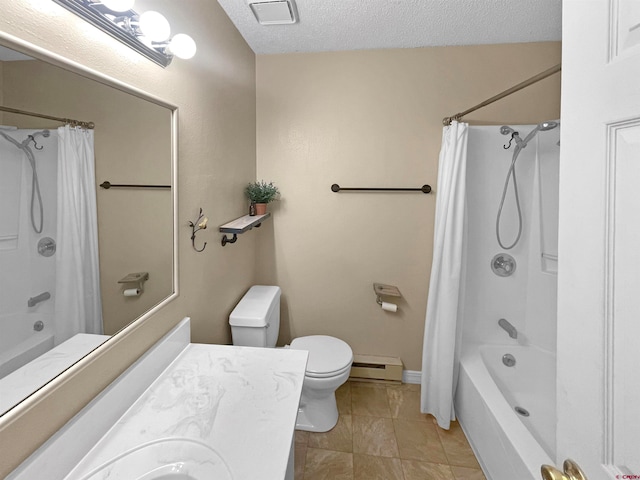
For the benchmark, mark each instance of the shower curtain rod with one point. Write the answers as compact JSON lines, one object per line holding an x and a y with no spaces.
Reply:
{"x":536,"y":78}
{"x":70,"y":121}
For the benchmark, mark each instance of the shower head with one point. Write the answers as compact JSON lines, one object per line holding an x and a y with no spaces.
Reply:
{"x":541,"y":127}
{"x":544,"y":126}
{"x":505,"y":130}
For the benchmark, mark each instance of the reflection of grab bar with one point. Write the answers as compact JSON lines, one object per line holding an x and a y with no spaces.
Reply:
{"x":33,"y":301}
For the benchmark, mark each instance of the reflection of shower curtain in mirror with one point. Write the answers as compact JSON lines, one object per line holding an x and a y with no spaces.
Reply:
{"x":77,"y":270}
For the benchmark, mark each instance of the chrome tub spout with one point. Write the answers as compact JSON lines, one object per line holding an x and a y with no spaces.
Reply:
{"x":510,"y":329}
{"x":33,"y":301}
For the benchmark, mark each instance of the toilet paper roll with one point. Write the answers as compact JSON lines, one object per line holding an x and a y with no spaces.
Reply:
{"x":389,"y":307}
{"x":131,"y":292}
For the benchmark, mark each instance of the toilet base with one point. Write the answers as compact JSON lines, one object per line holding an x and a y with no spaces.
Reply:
{"x":317,"y":414}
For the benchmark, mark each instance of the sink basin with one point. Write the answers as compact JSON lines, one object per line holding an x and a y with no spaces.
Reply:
{"x":164,"y":459}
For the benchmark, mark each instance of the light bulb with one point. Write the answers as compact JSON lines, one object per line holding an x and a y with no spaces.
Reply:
{"x":118,"y":5}
{"x":182,"y":46}
{"x":154,"y":26}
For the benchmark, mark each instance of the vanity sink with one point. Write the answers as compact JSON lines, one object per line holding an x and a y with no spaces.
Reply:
{"x":164,"y":459}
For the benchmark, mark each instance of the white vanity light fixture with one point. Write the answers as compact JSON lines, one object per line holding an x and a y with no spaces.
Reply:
{"x":278,"y":12}
{"x":154,"y":26}
{"x":182,"y":46}
{"x":148,"y":33}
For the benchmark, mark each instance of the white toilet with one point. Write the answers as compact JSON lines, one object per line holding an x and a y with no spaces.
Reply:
{"x":255,"y":322}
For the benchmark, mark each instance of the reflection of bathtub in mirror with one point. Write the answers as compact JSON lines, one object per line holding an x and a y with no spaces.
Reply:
{"x":20,"y":343}
{"x":44,"y":365}
{"x":124,"y":119}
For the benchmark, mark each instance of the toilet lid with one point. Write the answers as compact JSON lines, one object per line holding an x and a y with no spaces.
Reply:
{"x":326,"y":354}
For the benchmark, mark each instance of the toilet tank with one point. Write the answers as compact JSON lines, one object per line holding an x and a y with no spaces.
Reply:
{"x":255,"y":322}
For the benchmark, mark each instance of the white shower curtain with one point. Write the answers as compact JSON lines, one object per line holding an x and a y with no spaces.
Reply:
{"x":442,"y":333}
{"x":78,"y":305}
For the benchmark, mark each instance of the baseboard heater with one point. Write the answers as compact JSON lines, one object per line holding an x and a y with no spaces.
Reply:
{"x":376,"y":368}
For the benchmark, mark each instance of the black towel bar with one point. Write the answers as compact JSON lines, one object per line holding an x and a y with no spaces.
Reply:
{"x":107,"y":185}
{"x":337,"y":188}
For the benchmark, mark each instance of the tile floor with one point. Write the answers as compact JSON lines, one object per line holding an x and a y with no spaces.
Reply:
{"x":381,"y":434}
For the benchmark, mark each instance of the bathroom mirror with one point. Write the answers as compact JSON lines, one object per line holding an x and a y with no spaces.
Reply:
{"x":135,"y":146}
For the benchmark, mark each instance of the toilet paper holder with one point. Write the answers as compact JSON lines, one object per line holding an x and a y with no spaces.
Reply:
{"x":139,"y":278}
{"x":382,"y":289}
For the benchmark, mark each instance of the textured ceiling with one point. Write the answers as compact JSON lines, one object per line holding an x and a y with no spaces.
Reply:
{"x":329,"y":25}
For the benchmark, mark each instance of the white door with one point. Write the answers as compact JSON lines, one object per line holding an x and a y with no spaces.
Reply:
{"x":599,"y":253}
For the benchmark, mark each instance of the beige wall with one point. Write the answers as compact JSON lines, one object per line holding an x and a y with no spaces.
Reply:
{"x":132,"y":145}
{"x":372,"y":118}
{"x":215,"y":94}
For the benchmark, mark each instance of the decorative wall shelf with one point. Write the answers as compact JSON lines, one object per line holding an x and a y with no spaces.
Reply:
{"x":241,"y":225}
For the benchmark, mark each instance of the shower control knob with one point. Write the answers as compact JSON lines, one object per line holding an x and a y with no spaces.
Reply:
{"x":47,"y":246}
{"x":503,"y":265}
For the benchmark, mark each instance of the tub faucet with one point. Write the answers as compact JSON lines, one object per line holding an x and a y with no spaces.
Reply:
{"x":33,"y":301}
{"x":510,"y":329}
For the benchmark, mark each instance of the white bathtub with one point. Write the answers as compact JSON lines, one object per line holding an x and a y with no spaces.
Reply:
{"x":508,"y":446}
{"x":20,"y":343}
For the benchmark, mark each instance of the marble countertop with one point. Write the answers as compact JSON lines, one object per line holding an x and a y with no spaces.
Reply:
{"x":240,"y":401}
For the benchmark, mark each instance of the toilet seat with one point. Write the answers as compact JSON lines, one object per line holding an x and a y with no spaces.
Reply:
{"x":328,"y":375}
{"x":328,"y":356}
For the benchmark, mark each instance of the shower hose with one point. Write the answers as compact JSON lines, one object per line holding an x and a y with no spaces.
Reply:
{"x":510,"y":174}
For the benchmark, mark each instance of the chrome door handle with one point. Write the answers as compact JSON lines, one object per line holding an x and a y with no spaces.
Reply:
{"x":571,"y":472}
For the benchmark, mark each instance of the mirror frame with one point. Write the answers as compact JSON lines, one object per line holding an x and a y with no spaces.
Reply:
{"x":44,"y":55}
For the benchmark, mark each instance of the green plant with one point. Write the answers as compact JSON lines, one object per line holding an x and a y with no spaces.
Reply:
{"x":261,"y":192}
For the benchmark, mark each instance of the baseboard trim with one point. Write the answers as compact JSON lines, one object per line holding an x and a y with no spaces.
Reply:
{"x":412,"y":376}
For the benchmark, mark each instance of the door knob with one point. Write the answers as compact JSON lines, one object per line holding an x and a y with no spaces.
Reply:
{"x":571,"y":472}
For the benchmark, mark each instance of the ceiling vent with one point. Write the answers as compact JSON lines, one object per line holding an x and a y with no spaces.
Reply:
{"x":280,"y":12}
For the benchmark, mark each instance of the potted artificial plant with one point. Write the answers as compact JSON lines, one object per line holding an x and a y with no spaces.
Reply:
{"x":260,"y":193}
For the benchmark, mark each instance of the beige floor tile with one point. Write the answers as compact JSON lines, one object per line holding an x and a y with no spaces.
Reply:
{"x":457,"y":447}
{"x":464,"y":473}
{"x":427,"y":452}
{"x":340,"y":438}
{"x":374,"y":436}
{"x":414,"y":470}
{"x":368,"y":384}
{"x":370,"y":400}
{"x":412,"y":387}
{"x":328,"y":465}
{"x":343,"y":399}
{"x":299,"y":456}
{"x":302,"y":437}
{"x":418,"y":440}
{"x":405,"y":403}
{"x":366,"y":467}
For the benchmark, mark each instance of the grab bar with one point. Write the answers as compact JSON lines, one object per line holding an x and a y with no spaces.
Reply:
{"x":33,"y":301}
